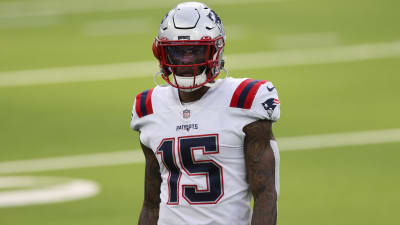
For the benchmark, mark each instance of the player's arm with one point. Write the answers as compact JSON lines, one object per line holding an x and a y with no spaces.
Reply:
{"x":260,"y":164}
{"x":152,"y":183}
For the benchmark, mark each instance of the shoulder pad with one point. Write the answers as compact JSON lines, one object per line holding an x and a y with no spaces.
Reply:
{"x":244,"y":94}
{"x":266,"y":102}
{"x":143,"y":105}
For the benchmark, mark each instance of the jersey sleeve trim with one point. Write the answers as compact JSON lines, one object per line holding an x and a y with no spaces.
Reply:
{"x":244,"y":94}
{"x":144,"y":106}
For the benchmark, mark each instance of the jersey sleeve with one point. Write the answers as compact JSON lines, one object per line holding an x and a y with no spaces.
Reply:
{"x":266,"y":104}
{"x":142,"y":107}
{"x":134,"y":118}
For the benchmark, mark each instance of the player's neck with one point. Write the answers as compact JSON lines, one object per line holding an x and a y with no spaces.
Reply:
{"x":192,"y":96}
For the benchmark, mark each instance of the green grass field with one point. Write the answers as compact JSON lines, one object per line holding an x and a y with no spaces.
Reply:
{"x":341,"y":185}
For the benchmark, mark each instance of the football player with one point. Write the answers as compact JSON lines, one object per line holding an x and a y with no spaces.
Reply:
{"x":208,"y":143}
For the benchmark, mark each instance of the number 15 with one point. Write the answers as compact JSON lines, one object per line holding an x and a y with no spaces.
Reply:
{"x":208,"y":144}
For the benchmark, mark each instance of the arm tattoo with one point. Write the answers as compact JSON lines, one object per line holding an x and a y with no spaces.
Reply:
{"x":260,"y":164}
{"x":152,"y":183}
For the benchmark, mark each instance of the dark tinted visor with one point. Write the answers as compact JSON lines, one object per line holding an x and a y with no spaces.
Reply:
{"x":186,"y":55}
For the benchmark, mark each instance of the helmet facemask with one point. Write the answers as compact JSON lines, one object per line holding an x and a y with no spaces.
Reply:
{"x":190,"y":64}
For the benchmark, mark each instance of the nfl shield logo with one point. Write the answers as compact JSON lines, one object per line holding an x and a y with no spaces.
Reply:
{"x":186,"y":113}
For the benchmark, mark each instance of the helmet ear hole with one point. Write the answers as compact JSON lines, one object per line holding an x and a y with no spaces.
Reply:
{"x":156,"y":52}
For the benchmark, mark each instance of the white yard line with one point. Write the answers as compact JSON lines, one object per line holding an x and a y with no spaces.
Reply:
{"x":306,"y":40}
{"x":234,"y":62}
{"x":77,"y":74}
{"x":59,"y":7}
{"x":71,"y":162}
{"x":21,"y":23}
{"x":338,"y":54}
{"x":136,"y":156}
{"x":116,"y":27}
{"x":68,"y":190}
{"x":339,"y":139}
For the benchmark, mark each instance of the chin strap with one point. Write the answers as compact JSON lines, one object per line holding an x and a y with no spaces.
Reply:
{"x":193,"y":89}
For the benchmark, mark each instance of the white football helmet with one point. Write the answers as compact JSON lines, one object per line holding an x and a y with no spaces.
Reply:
{"x":190,"y":45}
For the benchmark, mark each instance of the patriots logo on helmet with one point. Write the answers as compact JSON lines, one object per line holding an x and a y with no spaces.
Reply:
{"x":213,"y":16}
{"x":270,"y":105}
{"x":165,"y":17}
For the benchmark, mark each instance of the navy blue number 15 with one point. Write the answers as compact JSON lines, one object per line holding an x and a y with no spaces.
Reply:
{"x":212,"y":171}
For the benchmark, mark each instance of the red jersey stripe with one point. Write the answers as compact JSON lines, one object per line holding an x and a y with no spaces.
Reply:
{"x":137,"y":106}
{"x":238,"y":91}
{"x":252,"y":93}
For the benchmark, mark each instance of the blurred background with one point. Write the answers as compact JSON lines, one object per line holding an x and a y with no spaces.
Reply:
{"x":69,"y":72}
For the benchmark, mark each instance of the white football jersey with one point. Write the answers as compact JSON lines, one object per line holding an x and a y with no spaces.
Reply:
{"x":199,"y":147}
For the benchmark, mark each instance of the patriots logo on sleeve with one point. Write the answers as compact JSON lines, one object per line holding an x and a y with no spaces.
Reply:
{"x":270,"y":105}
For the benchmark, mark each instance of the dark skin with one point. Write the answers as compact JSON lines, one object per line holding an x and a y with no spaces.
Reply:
{"x":260,"y":165}
{"x":152,"y":183}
